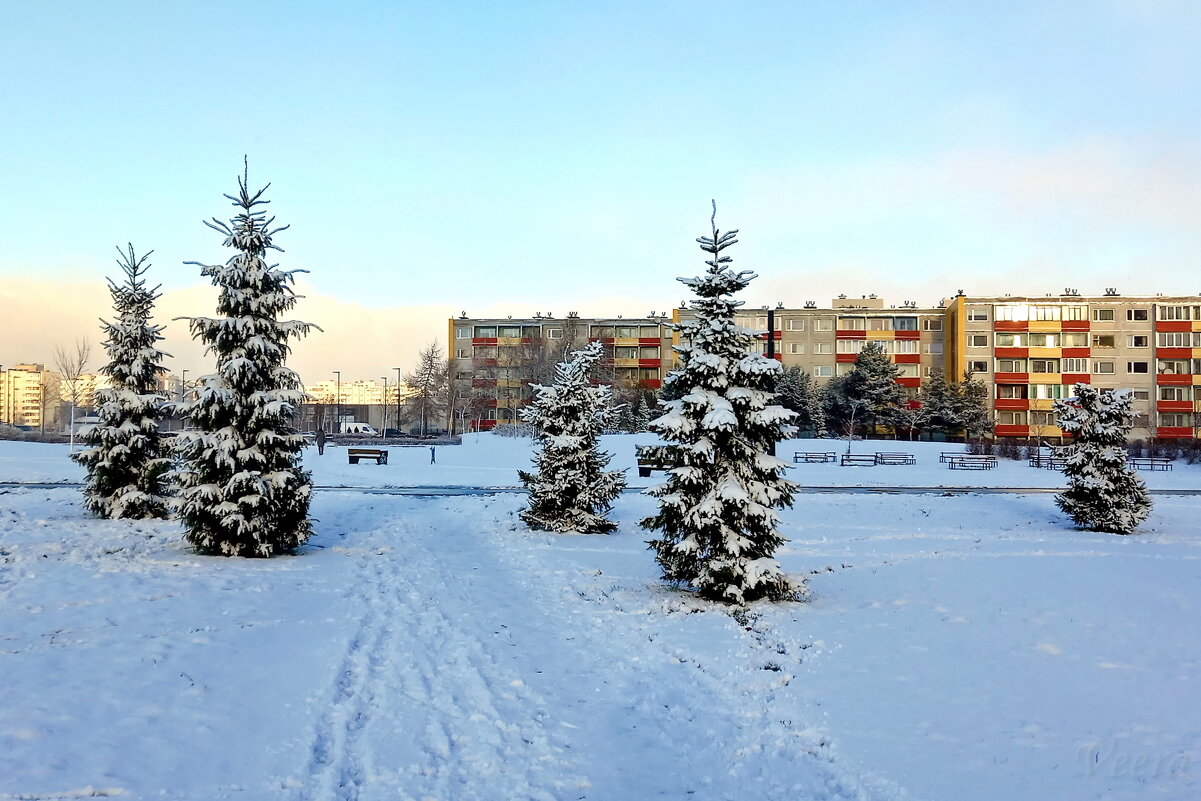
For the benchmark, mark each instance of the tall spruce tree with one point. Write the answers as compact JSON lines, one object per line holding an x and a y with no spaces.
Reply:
{"x":127,"y":460}
{"x":570,"y":490}
{"x":798,"y":391}
{"x":1103,"y":493}
{"x":242,"y":490}
{"x":971,"y":407}
{"x":717,"y":518}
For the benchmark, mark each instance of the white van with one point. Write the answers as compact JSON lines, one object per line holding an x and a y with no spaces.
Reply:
{"x":363,"y":429}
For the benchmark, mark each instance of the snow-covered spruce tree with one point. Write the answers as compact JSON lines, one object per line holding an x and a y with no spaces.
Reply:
{"x":126,"y":459}
{"x":717,"y":514}
{"x":1103,"y":493}
{"x":972,"y":407}
{"x":570,"y":490}
{"x":242,"y":491}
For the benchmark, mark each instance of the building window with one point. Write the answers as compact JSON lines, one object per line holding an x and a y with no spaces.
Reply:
{"x":1075,"y":365}
{"x":1044,"y":313}
{"x":909,"y":370}
{"x":1176,"y":394}
{"x":1011,"y":365}
{"x":485,"y":352}
{"x":1178,"y":339}
{"x":1049,"y":391}
{"x":485,"y":331}
{"x":1137,"y":341}
{"x":554,"y":333}
{"x":977,"y":367}
{"x":851,"y":345}
{"x":977,"y":315}
{"x":879,"y":324}
{"x":977,"y":340}
{"x":1014,"y":312}
{"x":852,"y":324}
{"x":1075,"y":312}
{"x":462,"y":333}
{"x":1011,"y":391}
{"x":823,"y":371}
{"x":1103,"y":340}
{"x":1044,"y":365}
{"x":509,"y":331}
{"x":1102,"y":368}
{"x":462,"y":353}
{"x":904,"y":323}
{"x":1007,"y":418}
{"x":648,"y":352}
{"x":843,"y":369}
{"x":1137,"y":367}
{"x":1103,"y":315}
{"x":1142,"y":394}
{"x":1006,"y":340}
{"x":1042,"y":340}
{"x":794,"y":325}
{"x":1176,"y":420}
{"x":932,"y":325}
{"x":1173,"y":367}
{"x":1179,"y":312}
{"x":796,"y":347}
{"x":823,"y":325}
{"x":933,"y":347}
{"x":1074,"y":340}
{"x":823,"y":348}
{"x":1137,"y":315}
{"x":904,"y":345}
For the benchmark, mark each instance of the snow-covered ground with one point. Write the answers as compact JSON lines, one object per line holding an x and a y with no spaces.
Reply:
{"x":954,"y":647}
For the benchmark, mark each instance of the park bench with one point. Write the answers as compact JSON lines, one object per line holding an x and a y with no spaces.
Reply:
{"x":1149,"y":463}
{"x":943,"y":456}
{"x":857,"y":458}
{"x":885,"y":457}
{"x":380,"y":455}
{"x":814,"y":456}
{"x":968,"y":461}
{"x":653,"y":457}
{"x":1048,"y":462}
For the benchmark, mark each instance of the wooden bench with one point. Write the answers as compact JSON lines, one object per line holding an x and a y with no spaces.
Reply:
{"x":885,"y":457}
{"x":380,"y":455}
{"x":968,"y":461}
{"x":943,"y":456}
{"x":857,"y":458}
{"x":1149,"y":463}
{"x":654,"y":457}
{"x":813,"y":456}
{"x":1048,"y":462}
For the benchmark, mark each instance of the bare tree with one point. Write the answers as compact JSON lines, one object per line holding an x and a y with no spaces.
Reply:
{"x":71,"y":366}
{"x":428,"y":395}
{"x":51,"y":399}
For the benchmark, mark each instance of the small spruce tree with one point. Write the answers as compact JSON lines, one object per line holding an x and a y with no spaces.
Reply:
{"x":1103,"y":493}
{"x":242,"y":490}
{"x":127,"y":460}
{"x":717,"y":518}
{"x":940,"y":405}
{"x":971,"y":407}
{"x":570,"y":490}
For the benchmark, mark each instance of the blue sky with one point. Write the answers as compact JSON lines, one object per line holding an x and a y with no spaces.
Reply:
{"x":554,"y":156}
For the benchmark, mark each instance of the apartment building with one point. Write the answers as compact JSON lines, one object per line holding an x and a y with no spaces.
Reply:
{"x":494,"y":361}
{"x":29,"y":396}
{"x":1033,"y":350}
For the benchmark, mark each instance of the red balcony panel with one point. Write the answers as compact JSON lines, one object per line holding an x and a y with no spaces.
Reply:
{"x":1012,"y":353}
{"x":1012,"y":404}
{"x":483,"y":382}
{"x":1076,"y":353}
{"x":846,"y":358}
{"x":1173,"y":379}
{"x":778,"y":356}
{"x":1011,"y":378}
{"x":1174,"y":406}
{"x":1174,"y":432}
{"x":603,"y":340}
{"x":850,"y":333}
{"x":1012,"y":431}
{"x":649,"y":340}
{"x":651,"y":383}
{"x":648,"y":362}
{"x":490,"y":403}
{"x":907,"y":334}
{"x":912,"y":404}
{"x":1173,"y":325}
{"x":487,"y":424}
{"x":776,"y":335}
{"x":1077,"y":378}
{"x":484,"y":362}
{"x":1074,"y":325}
{"x":1010,"y":325}
{"x":908,"y":358}
{"x":483,"y":340}
{"x":910,"y":382}
{"x":1174,"y":353}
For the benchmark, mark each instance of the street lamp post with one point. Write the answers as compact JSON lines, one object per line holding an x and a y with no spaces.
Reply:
{"x":397,"y":369}
{"x":384,"y":427}
{"x":337,"y":401}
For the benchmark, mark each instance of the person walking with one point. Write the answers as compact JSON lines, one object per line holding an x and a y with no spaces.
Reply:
{"x":321,"y":442}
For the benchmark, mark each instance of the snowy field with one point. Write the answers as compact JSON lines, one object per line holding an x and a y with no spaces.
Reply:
{"x":954,"y":647}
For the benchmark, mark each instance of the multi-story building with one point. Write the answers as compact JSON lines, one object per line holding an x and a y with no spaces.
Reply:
{"x":494,"y":361}
{"x":1031,"y":351}
{"x":29,"y":396}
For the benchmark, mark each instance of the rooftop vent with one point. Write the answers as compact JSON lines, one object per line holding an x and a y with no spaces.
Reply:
{"x":811,"y":304}
{"x":959,"y":292}
{"x":1111,"y":291}
{"x":463,"y":315}
{"x":1070,"y":291}
{"x":537,"y":315}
